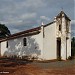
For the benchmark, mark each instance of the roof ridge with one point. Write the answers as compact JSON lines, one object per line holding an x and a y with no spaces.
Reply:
{"x":60,"y":15}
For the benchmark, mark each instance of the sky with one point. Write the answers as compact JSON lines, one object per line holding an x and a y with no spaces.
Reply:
{"x":20,"y":15}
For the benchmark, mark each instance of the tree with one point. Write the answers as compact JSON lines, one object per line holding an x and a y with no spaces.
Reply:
{"x":4,"y":31}
{"x":73,"y":47}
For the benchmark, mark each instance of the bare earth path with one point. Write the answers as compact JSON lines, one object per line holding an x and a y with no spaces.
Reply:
{"x":36,"y":68}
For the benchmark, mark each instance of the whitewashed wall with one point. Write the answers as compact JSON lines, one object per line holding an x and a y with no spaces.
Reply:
{"x":50,"y":42}
{"x":65,"y":43}
{"x":15,"y":46}
{"x":68,"y":47}
{"x":69,"y":42}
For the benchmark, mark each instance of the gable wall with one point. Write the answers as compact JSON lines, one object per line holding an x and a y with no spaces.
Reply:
{"x":50,"y":42}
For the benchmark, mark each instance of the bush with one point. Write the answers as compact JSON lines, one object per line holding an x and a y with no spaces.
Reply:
{"x":70,"y":58}
{"x":59,"y":58}
{"x":25,"y":57}
{"x":13,"y":57}
{"x":34,"y":58}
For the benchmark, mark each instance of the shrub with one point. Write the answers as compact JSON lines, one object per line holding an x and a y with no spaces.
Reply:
{"x":25,"y":57}
{"x":70,"y":58}
{"x":59,"y":58}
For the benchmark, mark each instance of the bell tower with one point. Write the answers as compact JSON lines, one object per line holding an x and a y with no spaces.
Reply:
{"x":63,"y":33}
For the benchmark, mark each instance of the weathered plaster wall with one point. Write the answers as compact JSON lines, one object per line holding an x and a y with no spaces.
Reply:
{"x":68,"y":47}
{"x":69,"y":41}
{"x":65,"y":40}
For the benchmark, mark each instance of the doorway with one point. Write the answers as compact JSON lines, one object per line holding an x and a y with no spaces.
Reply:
{"x":58,"y":48}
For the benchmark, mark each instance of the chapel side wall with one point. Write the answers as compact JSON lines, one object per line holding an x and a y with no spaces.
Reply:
{"x":33,"y":48}
{"x":50,"y":42}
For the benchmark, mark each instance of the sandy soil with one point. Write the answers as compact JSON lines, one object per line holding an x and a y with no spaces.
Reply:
{"x":13,"y":68}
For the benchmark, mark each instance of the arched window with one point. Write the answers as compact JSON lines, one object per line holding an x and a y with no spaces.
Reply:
{"x":24,"y":41}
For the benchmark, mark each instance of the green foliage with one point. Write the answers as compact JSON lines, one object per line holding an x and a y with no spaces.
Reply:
{"x":4,"y":31}
{"x":73,"y":47}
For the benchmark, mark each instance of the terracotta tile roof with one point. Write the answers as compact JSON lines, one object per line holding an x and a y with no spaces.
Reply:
{"x":29,"y":32}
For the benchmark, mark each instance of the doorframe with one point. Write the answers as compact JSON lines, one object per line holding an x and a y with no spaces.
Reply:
{"x":59,"y":51}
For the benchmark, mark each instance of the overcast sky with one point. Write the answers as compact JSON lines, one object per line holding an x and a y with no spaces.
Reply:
{"x":19,"y":15}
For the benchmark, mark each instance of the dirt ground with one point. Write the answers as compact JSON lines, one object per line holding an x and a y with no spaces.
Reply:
{"x":19,"y":67}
